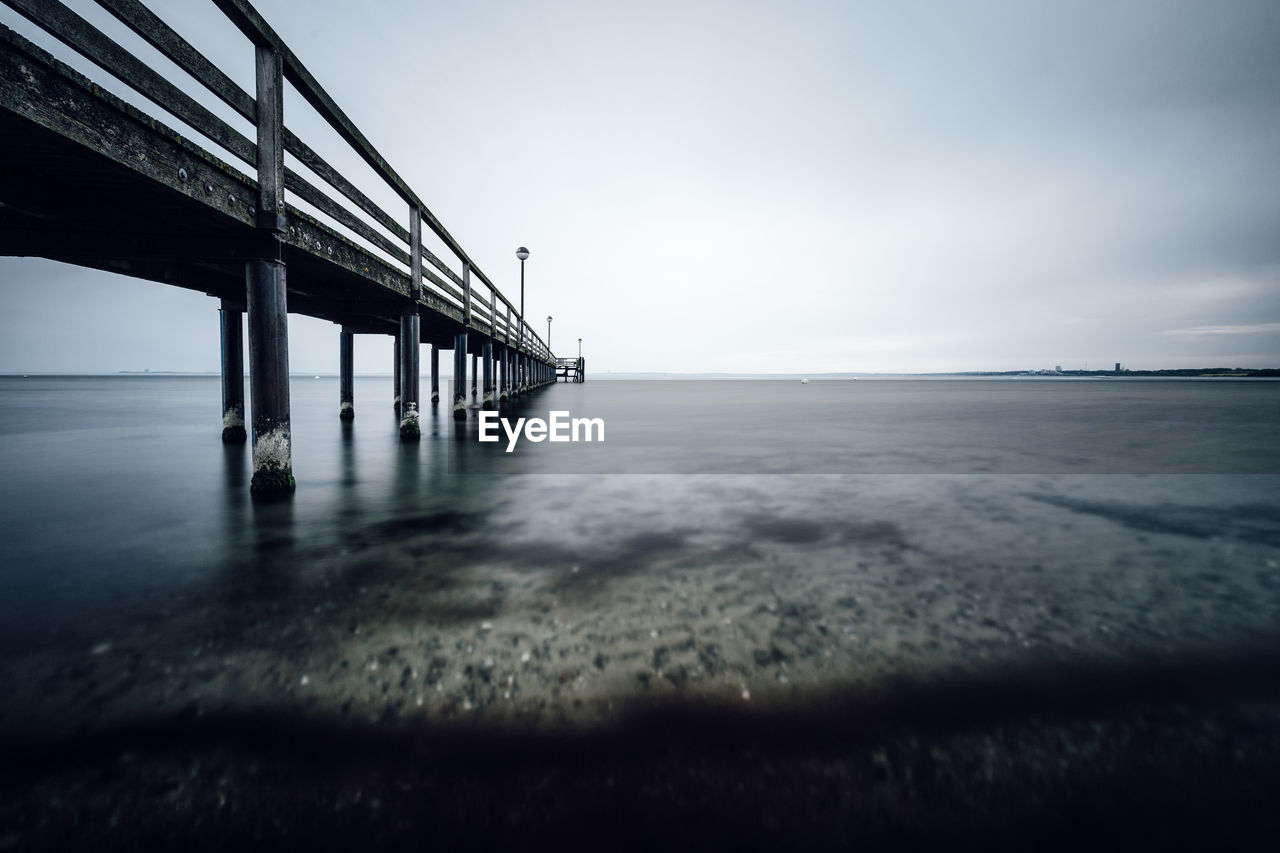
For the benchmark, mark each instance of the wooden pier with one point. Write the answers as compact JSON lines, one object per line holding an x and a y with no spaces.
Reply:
{"x":91,"y":180}
{"x":571,"y":369}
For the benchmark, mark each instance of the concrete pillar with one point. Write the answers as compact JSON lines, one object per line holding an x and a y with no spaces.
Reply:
{"x":232,"y":375}
{"x":346,"y":376}
{"x":460,"y":377}
{"x":474,"y":374}
{"x":269,"y":377}
{"x":395,"y":372}
{"x":266,"y":291}
{"x":435,"y":374}
{"x":502,"y":374}
{"x":409,"y":428}
{"x":490,"y":398}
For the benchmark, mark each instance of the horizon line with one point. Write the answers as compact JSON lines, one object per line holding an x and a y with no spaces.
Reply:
{"x":721,"y":374}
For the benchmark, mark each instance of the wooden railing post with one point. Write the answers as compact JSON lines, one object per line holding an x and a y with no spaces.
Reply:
{"x":266,"y":292}
{"x":490,"y":399}
{"x":504,"y":379}
{"x":460,"y":350}
{"x":410,"y":430}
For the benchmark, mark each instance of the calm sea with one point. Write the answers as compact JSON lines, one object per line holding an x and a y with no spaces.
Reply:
{"x":118,"y":502}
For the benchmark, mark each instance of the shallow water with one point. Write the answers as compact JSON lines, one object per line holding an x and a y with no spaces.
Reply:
{"x":805,"y":534}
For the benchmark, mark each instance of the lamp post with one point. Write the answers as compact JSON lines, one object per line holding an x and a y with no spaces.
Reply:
{"x":548,"y":333}
{"x":522,"y":253}
{"x":579,"y":347}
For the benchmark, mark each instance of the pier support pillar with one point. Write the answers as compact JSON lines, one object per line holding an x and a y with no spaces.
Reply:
{"x":460,"y":377}
{"x":232,"y":375}
{"x":266,"y":291}
{"x":409,"y":427}
{"x":269,"y":377}
{"x":474,"y":374}
{"x":435,"y":374}
{"x":346,"y":376}
{"x":395,"y":372}
{"x":501,"y":370}
{"x":487,"y":358}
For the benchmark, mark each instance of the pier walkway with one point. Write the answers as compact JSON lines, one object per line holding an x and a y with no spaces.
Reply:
{"x":92,"y":180}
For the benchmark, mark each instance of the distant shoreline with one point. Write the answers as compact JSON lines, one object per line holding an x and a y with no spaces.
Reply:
{"x":1186,"y":372}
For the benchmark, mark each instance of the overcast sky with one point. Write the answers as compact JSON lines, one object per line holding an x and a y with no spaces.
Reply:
{"x":784,"y":186}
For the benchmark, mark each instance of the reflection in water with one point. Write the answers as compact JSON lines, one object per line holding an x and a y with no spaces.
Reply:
{"x":235,"y":469}
{"x":273,"y":527}
{"x":348,"y":454}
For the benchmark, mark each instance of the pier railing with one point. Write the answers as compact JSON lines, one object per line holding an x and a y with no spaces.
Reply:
{"x":467,"y":290}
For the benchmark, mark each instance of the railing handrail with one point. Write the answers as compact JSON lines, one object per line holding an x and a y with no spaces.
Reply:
{"x":82,"y":37}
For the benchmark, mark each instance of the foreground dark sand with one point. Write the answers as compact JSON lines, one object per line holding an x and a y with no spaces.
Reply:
{"x":1182,"y":757}
{"x":995,"y":663}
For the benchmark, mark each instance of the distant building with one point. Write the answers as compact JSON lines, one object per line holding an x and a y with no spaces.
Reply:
{"x":1058,"y":368}
{"x":1117,"y":367}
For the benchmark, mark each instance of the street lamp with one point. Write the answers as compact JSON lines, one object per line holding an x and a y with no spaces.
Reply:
{"x":579,"y":347}
{"x":522,"y":253}
{"x":548,"y":333}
